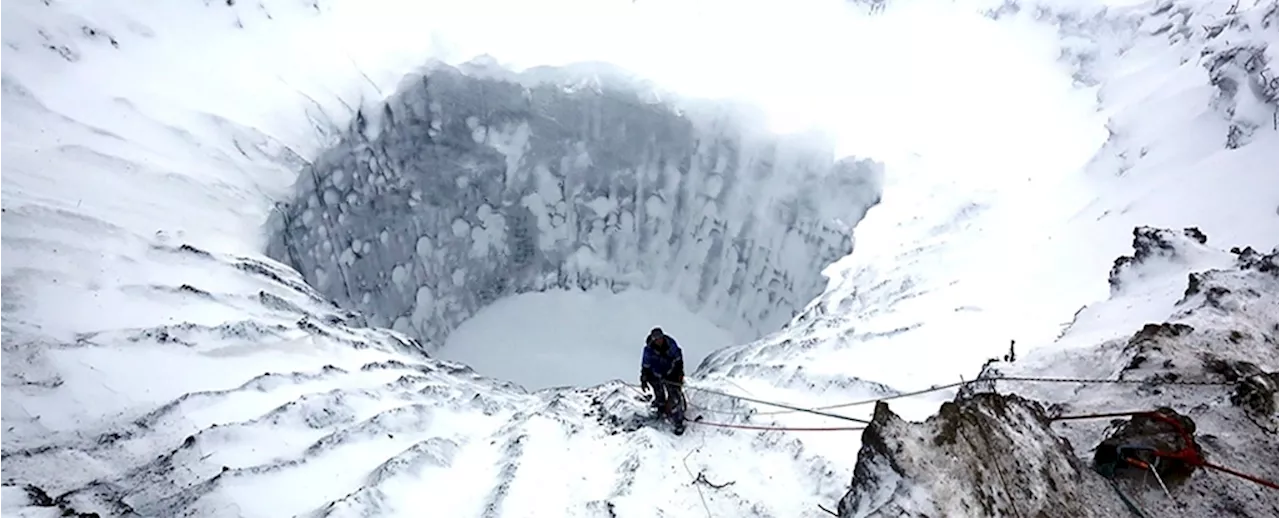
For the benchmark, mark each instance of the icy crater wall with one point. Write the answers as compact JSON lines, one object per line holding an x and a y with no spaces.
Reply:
{"x":467,"y":187}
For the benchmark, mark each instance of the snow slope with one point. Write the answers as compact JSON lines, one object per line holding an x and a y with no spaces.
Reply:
{"x":155,"y":361}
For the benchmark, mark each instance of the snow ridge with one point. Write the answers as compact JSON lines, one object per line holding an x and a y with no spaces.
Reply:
{"x":199,"y":450}
{"x":922,"y":469}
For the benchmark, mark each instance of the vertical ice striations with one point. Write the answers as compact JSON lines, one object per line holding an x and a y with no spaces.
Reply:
{"x":468,"y":186}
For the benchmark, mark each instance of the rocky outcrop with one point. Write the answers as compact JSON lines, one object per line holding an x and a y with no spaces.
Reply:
{"x":988,"y":455}
{"x":474,"y":184}
{"x":1242,"y":68}
{"x":1250,"y":259}
{"x":1209,"y":367}
{"x":38,"y":503}
{"x":1163,"y":430}
{"x":1149,"y":243}
{"x":1254,"y":389}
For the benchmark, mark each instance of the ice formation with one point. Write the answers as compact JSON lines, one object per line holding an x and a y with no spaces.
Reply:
{"x":469,"y":186}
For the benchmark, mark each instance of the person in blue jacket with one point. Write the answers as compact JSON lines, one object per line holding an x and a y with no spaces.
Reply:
{"x":662,"y":369}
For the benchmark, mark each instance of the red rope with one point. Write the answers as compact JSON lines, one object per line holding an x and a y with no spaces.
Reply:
{"x":1187,"y":454}
{"x":1193,"y":457}
{"x":784,"y":428}
{"x":1245,"y":476}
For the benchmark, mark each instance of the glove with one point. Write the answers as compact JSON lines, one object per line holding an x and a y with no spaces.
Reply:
{"x":644,"y":387}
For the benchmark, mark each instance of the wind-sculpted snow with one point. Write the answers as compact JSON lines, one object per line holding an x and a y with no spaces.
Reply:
{"x":388,"y":430}
{"x":467,"y":187}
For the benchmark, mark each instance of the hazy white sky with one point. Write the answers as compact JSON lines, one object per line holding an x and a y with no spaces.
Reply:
{"x":925,"y":78}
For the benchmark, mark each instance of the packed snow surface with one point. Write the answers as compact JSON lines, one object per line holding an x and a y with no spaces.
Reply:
{"x":168,"y":351}
{"x":573,"y":337}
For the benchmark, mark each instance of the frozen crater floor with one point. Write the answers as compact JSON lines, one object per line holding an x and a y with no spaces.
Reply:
{"x":572,"y":337}
{"x":261,"y":261}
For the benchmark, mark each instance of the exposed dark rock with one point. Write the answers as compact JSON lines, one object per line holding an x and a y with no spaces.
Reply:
{"x":1140,"y":437}
{"x":1149,"y":343}
{"x":161,"y":335}
{"x":616,"y":420}
{"x":1257,"y":393}
{"x":1156,"y":332}
{"x":1194,"y":280}
{"x":194,"y":251}
{"x":278,"y":303}
{"x":1150,"y":242}
{"x":1217,"y":337}
{"x":187,"y":288}
{"x":979,"y":456}
{"x":37,"y":497}
{"x":1196,"y":234}
{"x":1255,"y":389}
{"x":306,"y":324}
{"x":1241,"y":72}
{"x":1249,"y":259}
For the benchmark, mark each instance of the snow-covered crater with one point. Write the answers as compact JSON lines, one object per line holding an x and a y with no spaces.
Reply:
{"x":470,"y":186}
{"x":156,"y":363}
